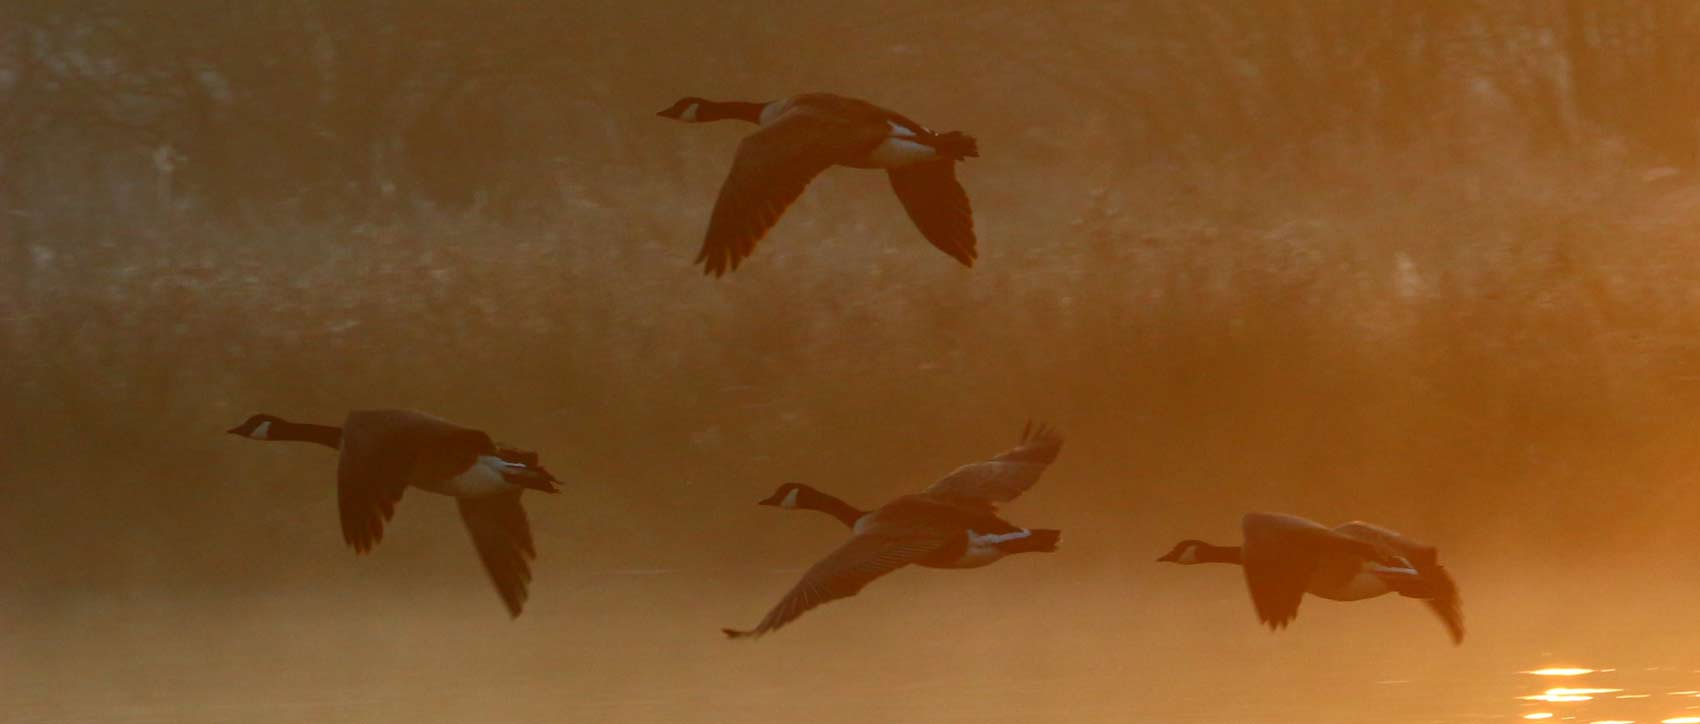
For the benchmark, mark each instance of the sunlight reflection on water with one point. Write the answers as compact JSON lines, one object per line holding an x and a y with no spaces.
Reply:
{"x":288,"y":660}
{"x":1561,"y":694}
{"x":1573,"y":699}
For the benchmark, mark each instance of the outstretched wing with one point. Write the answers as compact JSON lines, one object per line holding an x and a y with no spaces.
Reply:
{"x":771,"y":169}
{"x":1444,"y":601}
{"x":1441,"y":591}
{"x":1005,"y":477}
{"x":1389,"y":542}
{"x":841,"y":574}
{"x":371,"y":475}
{"x":1281,"y":553}
{"x":1278,"y":563}
{"x":383,"y":451}
{"x":938,"y":206}
{"x":502,"y":535}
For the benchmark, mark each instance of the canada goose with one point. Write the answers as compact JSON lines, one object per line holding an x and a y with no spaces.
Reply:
{"x":1286,"y":556}
{"x":952,"y":524}
{"x":385,"y":451}
{"x":802,"y":136}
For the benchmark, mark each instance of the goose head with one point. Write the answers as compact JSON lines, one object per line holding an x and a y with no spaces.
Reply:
{"x":685,"y":109}
{"x":256,"y":427}
{"x":791,"y":495}
{"x":1186,"y":553}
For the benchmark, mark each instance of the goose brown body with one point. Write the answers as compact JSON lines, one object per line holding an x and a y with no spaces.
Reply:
{"x":806,"y":134}
{"x":952,"y":524}
{"x":384,"y":452}
{"x":1285,"y":556}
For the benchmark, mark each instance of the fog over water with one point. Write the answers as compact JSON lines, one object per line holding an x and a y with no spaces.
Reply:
{"x":1430,"y":267}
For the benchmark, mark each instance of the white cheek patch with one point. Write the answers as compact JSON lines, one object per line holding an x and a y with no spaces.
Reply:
{"x":690,"y":114}
{"x":790,"y":500}
{"x":900,"y":130}
{"x":260,"y":432}
{"x":1190,"y":555}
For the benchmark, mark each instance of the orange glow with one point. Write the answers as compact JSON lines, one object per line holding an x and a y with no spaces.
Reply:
{"x":1561,"y":694}
{"x":1538,"y":715}
{"x":1560,"y":671}
{"x":1682,"y":720}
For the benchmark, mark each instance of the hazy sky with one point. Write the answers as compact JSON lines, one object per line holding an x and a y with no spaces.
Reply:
{"x":1427,"y":267}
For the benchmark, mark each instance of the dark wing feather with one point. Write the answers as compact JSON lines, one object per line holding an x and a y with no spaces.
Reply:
{"x":1282,"y":552}
{"x":842,"y":573}
{"x":1444,"y":600}
{"x":502,"y":536}
{"x":938,"y":206}
{"x":1278,"y":566}
{"x":384,"y":451}
{"x":370,"y":478}
{"x":1389,"y":544}
{"x":1003,"y":478}
{"x":769,"y":173}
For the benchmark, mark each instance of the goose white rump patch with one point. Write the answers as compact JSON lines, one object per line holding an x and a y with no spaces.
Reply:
{"x":983,"y":548}
{"x":897,"y":151}
{"x":975,"y":539}
{"x":483,"y":478}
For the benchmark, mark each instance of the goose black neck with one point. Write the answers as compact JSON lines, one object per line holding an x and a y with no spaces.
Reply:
{"x":1218,"y":554}
{"x":730,"y":110}
{"x":844,"y":512}
{"x":326,"y":435}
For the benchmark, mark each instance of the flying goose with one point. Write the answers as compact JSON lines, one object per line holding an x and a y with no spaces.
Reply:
{"x":1286,"y":556}
{"x":804,"y":135}
{"x":385,"y":451}
{"x":952,"y":524}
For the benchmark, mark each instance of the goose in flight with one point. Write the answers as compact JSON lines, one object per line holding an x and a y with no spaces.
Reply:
{"x":806,"y":134}
{"x":954,"y":523}
{"x":1285,"y":557}
{"x":383,"y":452}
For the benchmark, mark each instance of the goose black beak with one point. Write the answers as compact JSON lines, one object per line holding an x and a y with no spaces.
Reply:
{"x":234,"y":431}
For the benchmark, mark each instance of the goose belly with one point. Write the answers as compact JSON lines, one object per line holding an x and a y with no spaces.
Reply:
{"x":1349,"y":585}
{"x":483,"y":478}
